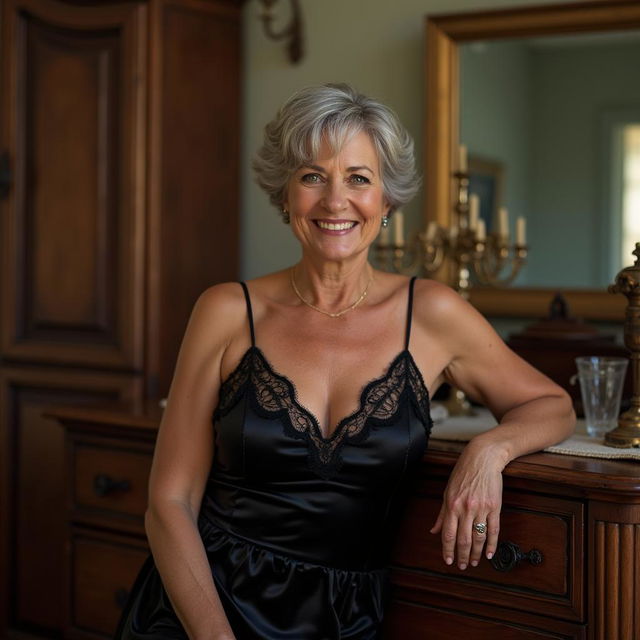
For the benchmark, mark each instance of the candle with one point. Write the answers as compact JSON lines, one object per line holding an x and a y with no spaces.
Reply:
{"x":503,"y":222}
{"x":398,"y":228}
{"x":462,"y":158}
{"x":474,"y":210}
{"x":383,"y":238}
{"x":521,"y":231}
{"x":432,"y":229}
{"x":481,"y":231}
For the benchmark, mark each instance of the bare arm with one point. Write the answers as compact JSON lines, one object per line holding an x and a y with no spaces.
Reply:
{"x":181,"y":464}
{"x":533,"y":412}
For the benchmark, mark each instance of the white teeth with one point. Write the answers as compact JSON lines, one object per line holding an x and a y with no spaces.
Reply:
{"x":335,"y":226}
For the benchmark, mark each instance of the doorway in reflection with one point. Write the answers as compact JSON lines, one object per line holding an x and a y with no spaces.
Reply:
{"x":630,"y":192}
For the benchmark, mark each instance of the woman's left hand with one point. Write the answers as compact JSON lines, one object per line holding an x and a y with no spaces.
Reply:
{"x":473,"y":496}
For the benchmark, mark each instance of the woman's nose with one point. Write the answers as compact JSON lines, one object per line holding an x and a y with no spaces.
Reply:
{"x":335,"y":196}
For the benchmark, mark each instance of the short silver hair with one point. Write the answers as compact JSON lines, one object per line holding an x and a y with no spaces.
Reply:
{"x":334,"y":112}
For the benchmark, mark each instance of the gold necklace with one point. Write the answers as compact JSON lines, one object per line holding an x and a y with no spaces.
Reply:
{"x":363,"y":295}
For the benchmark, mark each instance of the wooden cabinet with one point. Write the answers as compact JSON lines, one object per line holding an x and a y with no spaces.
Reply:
{"x":120,"y":122}
{"x":106,"y":488}
{"x":575,"y":520}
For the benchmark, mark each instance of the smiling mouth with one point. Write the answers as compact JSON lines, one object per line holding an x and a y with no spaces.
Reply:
{"x":336,"y":226}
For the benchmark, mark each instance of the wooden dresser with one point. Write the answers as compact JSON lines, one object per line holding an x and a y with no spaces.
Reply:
{"x":108,"y":458}
{"x":576,"y":521}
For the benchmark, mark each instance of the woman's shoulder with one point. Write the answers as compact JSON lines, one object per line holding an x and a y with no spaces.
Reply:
{"x":223,"y":298}
{"x":435,"y":303}
{"x":227,"y":301}
{"x":219,"y":312}
{"x":434,"y":292}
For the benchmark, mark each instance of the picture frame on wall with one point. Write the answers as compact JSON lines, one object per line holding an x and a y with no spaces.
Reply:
{"x":486,"y":179}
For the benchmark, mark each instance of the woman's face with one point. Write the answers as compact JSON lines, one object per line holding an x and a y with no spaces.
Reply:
{"x":337,"y":202}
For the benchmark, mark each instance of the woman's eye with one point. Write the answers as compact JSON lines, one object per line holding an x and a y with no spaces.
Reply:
{"x":358,"y":179}
{"x":311,"y":178}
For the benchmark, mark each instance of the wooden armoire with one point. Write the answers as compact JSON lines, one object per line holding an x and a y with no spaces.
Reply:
{"x":119,"y":153}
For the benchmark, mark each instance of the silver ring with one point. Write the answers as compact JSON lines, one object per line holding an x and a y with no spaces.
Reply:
{"x":480,"y":527}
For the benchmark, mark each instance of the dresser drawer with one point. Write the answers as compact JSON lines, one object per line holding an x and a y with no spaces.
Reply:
{"x":103,"y":571}
{"x":110,"y":478}
{"x":410,"y":622}
{"x":551,"y":526}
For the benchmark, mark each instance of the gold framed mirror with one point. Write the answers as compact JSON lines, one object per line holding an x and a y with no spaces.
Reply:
{"x":445,"y":35}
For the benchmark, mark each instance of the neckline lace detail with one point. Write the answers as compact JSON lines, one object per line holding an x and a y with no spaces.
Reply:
{"x":274,"y":396}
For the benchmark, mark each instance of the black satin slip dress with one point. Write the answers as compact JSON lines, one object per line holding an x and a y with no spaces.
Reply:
{"x":298,"y":527}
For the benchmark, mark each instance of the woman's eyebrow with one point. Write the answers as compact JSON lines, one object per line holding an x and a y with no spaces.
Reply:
{"x":317,"y":167}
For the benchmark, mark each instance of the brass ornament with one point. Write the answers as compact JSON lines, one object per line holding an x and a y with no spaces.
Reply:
{"x":627,"y":433}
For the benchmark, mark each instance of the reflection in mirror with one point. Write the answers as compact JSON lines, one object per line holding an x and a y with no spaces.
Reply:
{"x":558,"y":119}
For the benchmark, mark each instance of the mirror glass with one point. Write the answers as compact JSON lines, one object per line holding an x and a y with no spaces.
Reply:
{"x":552,"y":128}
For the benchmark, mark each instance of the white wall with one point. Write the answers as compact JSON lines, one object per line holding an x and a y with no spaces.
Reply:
{"x":376,"y":45}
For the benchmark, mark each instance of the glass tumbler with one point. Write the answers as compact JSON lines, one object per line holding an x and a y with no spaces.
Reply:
{"x":601,"y":382}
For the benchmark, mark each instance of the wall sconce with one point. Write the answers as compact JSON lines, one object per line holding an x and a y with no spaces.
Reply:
{"x":291,"y":32}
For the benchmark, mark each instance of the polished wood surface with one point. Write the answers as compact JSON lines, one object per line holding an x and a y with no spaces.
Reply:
{"x":193,"y":221}
{"x":443,"y":34}
{"x":72,"y":224}
{"x":106,"y":497}
{"x":581,"y":514}
{"x":32,"y":481}
{"x":105,"y":567}
{"x":120,"y":121}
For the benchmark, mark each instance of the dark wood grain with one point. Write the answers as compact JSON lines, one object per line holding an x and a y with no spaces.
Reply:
{"x":121,"y":120}
{"x":196,"y":173}
{"x":73,"y":223}
{"x":104,"y":569}
{"x":32,"y":480}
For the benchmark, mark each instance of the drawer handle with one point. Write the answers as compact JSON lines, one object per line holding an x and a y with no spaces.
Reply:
{"x":508,"y":556}
{"x":104,"y":484}
{"x":121,"y":596}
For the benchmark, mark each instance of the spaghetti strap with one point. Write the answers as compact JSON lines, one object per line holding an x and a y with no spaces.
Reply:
{"x":249,"y":312}
{"x":409,"y":311}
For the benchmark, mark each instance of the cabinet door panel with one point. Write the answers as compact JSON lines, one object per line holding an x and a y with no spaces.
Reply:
{"x":32,"y":488}
{"x":72,"y":98}
{"x":194,"y":187}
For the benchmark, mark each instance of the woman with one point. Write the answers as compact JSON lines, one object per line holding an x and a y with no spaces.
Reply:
{"x":277,"y":522}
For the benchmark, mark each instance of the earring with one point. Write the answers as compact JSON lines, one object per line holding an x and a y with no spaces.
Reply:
{"x":286,"y":218}
{"x":385,"y":221}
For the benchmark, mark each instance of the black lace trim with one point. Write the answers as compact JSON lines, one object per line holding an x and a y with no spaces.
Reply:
{"x":273,"y":396}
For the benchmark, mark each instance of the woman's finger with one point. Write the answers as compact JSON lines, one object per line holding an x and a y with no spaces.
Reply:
{"x":449,"y":536}
{"x":438,"y":524}
{"x":478,"y":539}
{"x":463,"y":543}
{"x":493,"y":531}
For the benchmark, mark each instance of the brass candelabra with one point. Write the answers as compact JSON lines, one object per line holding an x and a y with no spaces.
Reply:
{"x":627,"y":433}
{"x":491,"y":258}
